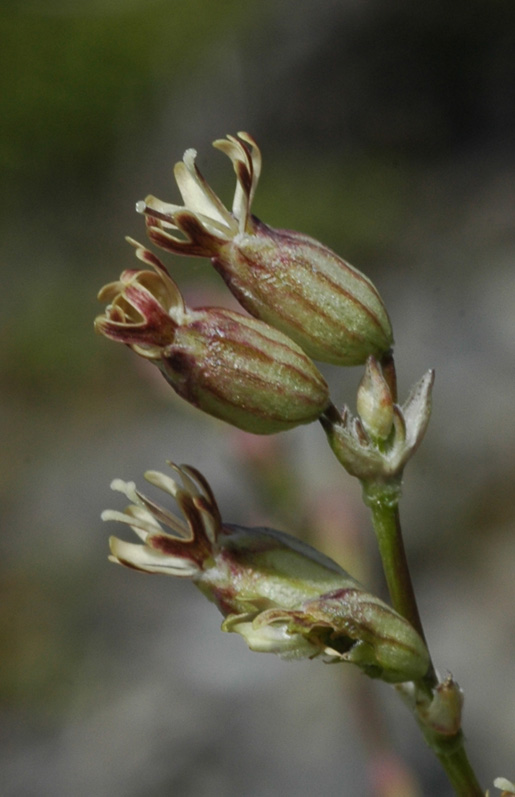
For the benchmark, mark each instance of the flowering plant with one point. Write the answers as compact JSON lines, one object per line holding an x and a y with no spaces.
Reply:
{"x":257,"y":373}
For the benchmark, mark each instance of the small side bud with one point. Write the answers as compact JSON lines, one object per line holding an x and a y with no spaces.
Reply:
{"x":374,"y":402}
{"x":369,"y":457}
{"x":278,"y":593}
{"x":231,"y":366}
{"x":443,"y":712}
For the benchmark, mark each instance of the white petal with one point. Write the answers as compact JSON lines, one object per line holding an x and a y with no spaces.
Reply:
{"x":162,"y":481}
{"x":141,"y":526}
{"x":216,"y":228}
{"x":143,"y":519}
{"x":251,"y":161}
{"x":274,"y":639}
{"x":164,"y":211}
{"x":196,"y":193}
{"x":164,"y":517}
{"x":143,"y":558}
{"x":237,"y":153}
{"x":255,"y":157}
{"x":210,"y":525}
{"x":189,"y":484}
{"x":502,"y":783}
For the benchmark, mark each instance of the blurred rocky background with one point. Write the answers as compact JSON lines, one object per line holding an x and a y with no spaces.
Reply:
{"x":387,"y":131}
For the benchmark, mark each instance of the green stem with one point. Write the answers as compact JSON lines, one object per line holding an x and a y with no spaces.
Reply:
{"x":450,"y":751}
{"x":460,"y":773}
{"x":387,"y":526}
{"x":436,"y":706}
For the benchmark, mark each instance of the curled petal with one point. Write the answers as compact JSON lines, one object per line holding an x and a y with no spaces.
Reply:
{"x":246,"y":160}
{"x":204,"y":220}
{"x":197,"y":194}
{"x":142,"y":557}
{"x":194,"y":539}
{"x":145,"y":307}
{"x":227,"y":364}
{"x":201,"y":239}
{"x":263,"y":638}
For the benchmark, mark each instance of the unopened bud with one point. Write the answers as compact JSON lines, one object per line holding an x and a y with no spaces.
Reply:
{"x":278,"y":593}
{"x":359,"y":447}
{"x":443,"y":712}
{"x":285,"y":278}
{"x":231,"y":366}
{"x":374,"y":402}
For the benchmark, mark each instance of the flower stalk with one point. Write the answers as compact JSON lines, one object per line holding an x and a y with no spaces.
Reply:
{"x":425,"y":692}
{"x":436,"y":705}
{"x":387,"y":527}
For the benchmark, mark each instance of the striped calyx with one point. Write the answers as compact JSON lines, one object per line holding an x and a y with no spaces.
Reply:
{"x":304,"y":289}
{"x":285,"y":278}
{"x":279,"y":594}
{"x":233,"y":367}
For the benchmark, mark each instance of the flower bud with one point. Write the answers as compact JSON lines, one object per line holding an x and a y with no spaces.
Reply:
{"x":361,"y":450}
{"x":443,"y":712}
{"x":438,"y":711}
{"x":278,"y":593}
{"x":285,"y":278}
{"x":374,"y":402}
{"x":231,"y":366}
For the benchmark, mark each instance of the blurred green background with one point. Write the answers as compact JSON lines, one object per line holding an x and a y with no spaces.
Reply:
{"x":387,"y":132}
